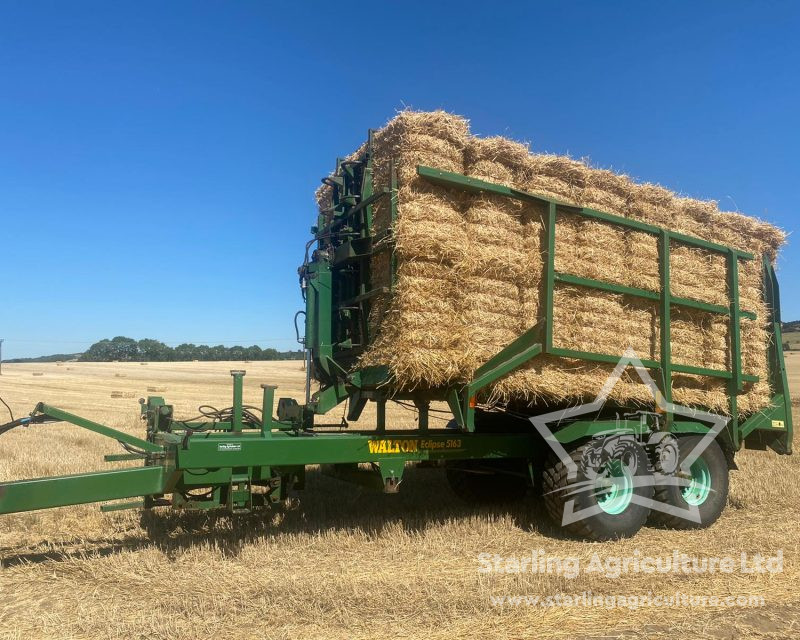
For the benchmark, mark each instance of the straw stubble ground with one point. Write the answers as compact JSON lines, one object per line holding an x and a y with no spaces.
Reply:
{"x":341,"y":562}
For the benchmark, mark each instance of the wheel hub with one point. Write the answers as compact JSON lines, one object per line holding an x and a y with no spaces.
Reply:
{"x":699,"y":488}
{"x":614,"y":491}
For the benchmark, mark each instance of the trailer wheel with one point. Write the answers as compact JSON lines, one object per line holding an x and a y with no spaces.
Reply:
{"x":606,"y":493}
{"x":487,"y":482}
{"x":706,"y":487}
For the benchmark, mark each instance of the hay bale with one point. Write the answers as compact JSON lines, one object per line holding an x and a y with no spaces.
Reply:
{"x":469,"y":272}
{"x":501,"y":256}
{"x":422,"y":316}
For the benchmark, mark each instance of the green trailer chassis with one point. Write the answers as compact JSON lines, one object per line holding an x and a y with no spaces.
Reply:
{"x":213,"y":464}
{"x":241,"y":463}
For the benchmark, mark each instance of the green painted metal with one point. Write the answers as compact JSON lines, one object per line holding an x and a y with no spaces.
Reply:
{"x":549,"y":274}
{"x":566,"y":278}
{"x":614,"y":494}
{"x":238,"y":383}
{"x":423,"y":414}
{"x":665,"y":318}
{"x":326,"y":399}
{"x":527,"y":346}
{"x":122,"y":457}
{"x":520,"y":351}
{"x":380,"y":417}
{"x":267,"y":403}
{"x":474,"y":185}
{"x":457,"y":407}
{"x":338,"y":279}
{"x":121,"y":436}
{"x":598,"y":357}
{"x":711,"y":246}
{"x":699,"y":488}
{"x":60,"y":491}
{"x":285,"y":449}
{"x":773,"y":427}
{"x":580,"y":429}
{"x":735,"y":386}
{"x":687,"y":426}
{"x":606,"y":286}
{"x":711,"y":373}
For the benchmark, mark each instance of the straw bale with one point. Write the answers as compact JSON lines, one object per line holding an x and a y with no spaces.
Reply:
{"x":499,"y":258}
{"x":698,"y":274}
{"x":605,"y":322}
{"x":418,"y":330}
{"x":641,"y":258}
{"x":423,"y":316}
{"x":470,"y":267}
{"x":607,"y":191}
{"x":698,"y":339}
{"x":497,"y":159}
{"x":554,"y":177}
{"x":591,"y":249}
{"x":702,"y":391}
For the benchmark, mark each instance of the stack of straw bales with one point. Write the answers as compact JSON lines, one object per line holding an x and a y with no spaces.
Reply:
{"x":470,"y":267}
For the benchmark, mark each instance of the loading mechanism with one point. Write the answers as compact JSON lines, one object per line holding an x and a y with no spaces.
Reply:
{"x":241,"y":460}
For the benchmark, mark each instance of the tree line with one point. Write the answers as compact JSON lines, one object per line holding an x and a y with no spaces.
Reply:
{"x":147,"y":350}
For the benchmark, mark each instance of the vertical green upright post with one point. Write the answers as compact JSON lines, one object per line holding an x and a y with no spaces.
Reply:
{"x":238,"y":383}
{"x":736,"y":385}
{"x":381,"y":418}
{"x":365,"y":230}
{"x":367,"y":189}
{"x":266,"y":409}
{"x":319,"y":305}
{"x":423,"y":406}
{"x":665,"y":304}
{"x":549,"y":275}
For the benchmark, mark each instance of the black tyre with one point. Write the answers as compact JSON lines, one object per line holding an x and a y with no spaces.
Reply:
{"x":605,"y":494}
{"x":488,"y":482}
{"x":705,"y":487}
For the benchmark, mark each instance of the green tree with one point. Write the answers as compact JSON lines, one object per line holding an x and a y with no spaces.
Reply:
{"x":101,"y":351}
{"x":154,"y":351}
{"x":127,"y":350}
{"x":185,"y":352}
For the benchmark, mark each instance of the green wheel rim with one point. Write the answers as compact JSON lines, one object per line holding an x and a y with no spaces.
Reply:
{"x":699,"y":487}
{"x":616,"y":495}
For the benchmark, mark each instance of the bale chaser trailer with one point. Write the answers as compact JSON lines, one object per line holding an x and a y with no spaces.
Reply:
{"x":242,"y":458}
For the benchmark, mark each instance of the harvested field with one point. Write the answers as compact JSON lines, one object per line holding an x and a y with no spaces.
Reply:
{"x":339,"y":561}
{"x":469,"y":271}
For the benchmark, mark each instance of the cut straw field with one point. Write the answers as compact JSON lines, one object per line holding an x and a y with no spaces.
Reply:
{"x":339,"y":561}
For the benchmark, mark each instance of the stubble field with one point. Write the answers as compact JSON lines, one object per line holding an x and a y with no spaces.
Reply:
{"x":339,"y":561}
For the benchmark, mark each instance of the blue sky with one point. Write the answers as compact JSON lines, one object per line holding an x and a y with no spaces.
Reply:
{"x":158,"y":159}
